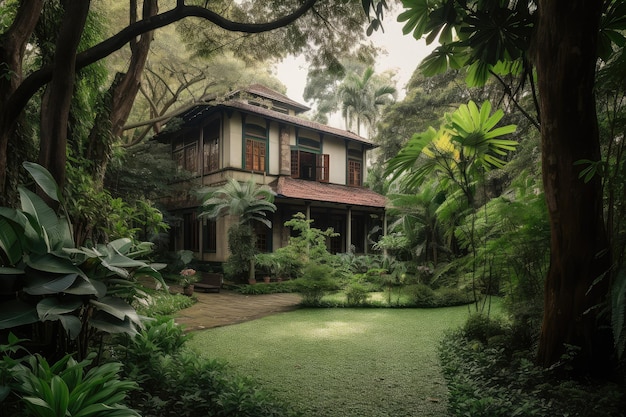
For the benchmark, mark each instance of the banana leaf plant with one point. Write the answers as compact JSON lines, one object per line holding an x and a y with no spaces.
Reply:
{"x":60,"y":296}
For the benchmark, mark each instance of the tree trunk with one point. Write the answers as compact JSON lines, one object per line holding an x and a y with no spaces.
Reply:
{"x":121,"y":97}
{"x":12,"y":49}
{"x":567,"y":34}
{"x":56,"y":100}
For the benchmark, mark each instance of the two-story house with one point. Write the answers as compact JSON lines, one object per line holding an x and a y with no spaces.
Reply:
{"x":313,"y":168}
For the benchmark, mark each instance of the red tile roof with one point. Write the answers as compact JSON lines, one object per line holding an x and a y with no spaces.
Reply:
{"x":333,"y":193}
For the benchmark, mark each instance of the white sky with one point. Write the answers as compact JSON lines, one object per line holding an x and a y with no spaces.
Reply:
{"x":404,"y":53}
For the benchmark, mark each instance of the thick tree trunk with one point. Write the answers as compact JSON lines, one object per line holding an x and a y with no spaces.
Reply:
{"x":12,"y":48}
{"x":122,"y":96}
{"x":55,"y":106}
{"x":567,"y":33}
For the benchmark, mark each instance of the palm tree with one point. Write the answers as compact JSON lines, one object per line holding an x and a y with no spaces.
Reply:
{"x":362,"y":97}
{"x":250,"y":203}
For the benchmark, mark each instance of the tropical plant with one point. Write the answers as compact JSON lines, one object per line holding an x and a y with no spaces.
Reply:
{"x":70,"y":292}
{"x":63,"y":388}
{"x":250,"y":204}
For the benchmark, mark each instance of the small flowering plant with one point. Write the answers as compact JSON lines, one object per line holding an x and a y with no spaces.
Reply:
{"x":188,"y":277}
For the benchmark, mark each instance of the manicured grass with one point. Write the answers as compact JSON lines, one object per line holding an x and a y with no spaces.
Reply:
{"x":342,"y":362}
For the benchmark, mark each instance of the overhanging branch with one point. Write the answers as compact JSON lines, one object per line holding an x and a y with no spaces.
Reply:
{"x":30,"y":86}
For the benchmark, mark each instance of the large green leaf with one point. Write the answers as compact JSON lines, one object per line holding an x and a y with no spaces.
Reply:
{"x":44,"y":284}
{"x":111,"y":324}
{"x":44,"y":180}
{"x":10,"y":241}
{"x":87,"y":286}
{"x":15,"y":313}
{"x":54,"y":306}
{"x":52,"y":263}
{"x":117,"y":307}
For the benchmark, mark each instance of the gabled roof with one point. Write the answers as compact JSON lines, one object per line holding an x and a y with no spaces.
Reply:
{"x":286,"y":187}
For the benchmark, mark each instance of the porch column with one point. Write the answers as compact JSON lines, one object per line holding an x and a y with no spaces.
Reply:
{"x":349,"y":230}
{"x":308,"y":210}
{"x":385,"y":231}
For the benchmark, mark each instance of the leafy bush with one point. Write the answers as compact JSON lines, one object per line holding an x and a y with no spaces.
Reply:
{"x":162,"y":303}
{"x":64,"y":295}
{"x":271,"y":288}
{"x":448,"y":297}
{"x":356,"y":294}
{"x":317,"y":280}
{"x":482,"y":327}
{"x":175,"y":382}
{"x":484,"y":381}
{"x":422,"y":295}
{"x":64,"y":388}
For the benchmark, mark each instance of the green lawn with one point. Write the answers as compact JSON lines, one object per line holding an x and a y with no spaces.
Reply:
{"x":342,"y":362}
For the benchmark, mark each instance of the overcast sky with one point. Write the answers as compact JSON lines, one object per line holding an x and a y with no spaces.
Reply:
{"x":404,"y":54}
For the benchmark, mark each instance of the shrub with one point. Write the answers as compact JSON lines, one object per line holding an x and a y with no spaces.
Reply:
{"x":488,"y":382}
{"x":163,"y":303}
{"x":64,"y":388}
{"x":181,"y":385}
{"x":356,"y":294}
{"x":422,"y":295}
{"x":482,"y":327}
{"x":448,"y":297}
{"x":316,"y":281}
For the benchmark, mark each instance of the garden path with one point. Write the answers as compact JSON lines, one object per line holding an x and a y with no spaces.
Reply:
{"x":228,"y":307}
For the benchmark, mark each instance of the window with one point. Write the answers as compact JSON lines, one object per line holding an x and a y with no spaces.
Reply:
{"x":185,"y":154}
{"x":310,"y":166}
{"x":209,"y":236}
{"x":191,"y":232}
{"x":354,"y":172}
{"x":263,"y":237}
{"x":256,"y":144}
{"x":210,"y":136}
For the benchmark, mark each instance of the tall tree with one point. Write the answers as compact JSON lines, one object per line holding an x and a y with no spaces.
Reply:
{"x":561,"y":39}
{"x":362,"y":96}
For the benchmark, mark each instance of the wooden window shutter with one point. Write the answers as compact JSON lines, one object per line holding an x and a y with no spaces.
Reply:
{"x":322,"y":168}
{"x":295,"y":164}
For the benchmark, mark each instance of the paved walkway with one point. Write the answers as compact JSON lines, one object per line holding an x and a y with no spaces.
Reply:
{"x":228,"y":307}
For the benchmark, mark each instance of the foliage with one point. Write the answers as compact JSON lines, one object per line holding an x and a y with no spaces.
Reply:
{"x":362,"y":96}
{"x":356,"y":294}
{"x":486,"y":379}
{"x":75,"y":291}
{"x":242,"y":247}
{"x":160,"y":336}
{"x":316,"y":280}
{"x":249,"y":203}
{"x":176,"y":382}
{"x":271,"y":288}
{"x":162,"y":303}
{"x":66,"y":387}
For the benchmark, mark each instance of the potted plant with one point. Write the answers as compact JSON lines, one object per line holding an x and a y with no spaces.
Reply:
{"x":188,"y":278}
{"x":267,"y":263}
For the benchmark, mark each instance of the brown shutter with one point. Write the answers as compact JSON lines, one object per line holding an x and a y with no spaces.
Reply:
{"x":322,"y":168}
{"x":295,"y":164}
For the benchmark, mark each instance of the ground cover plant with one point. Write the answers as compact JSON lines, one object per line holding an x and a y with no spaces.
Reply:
{"x":348,"y":362}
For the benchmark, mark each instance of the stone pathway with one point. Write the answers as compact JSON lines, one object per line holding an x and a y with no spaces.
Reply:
{"x":228,"y":307}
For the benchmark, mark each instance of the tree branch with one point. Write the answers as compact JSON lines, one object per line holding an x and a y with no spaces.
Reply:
{"x":39,"y":78}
